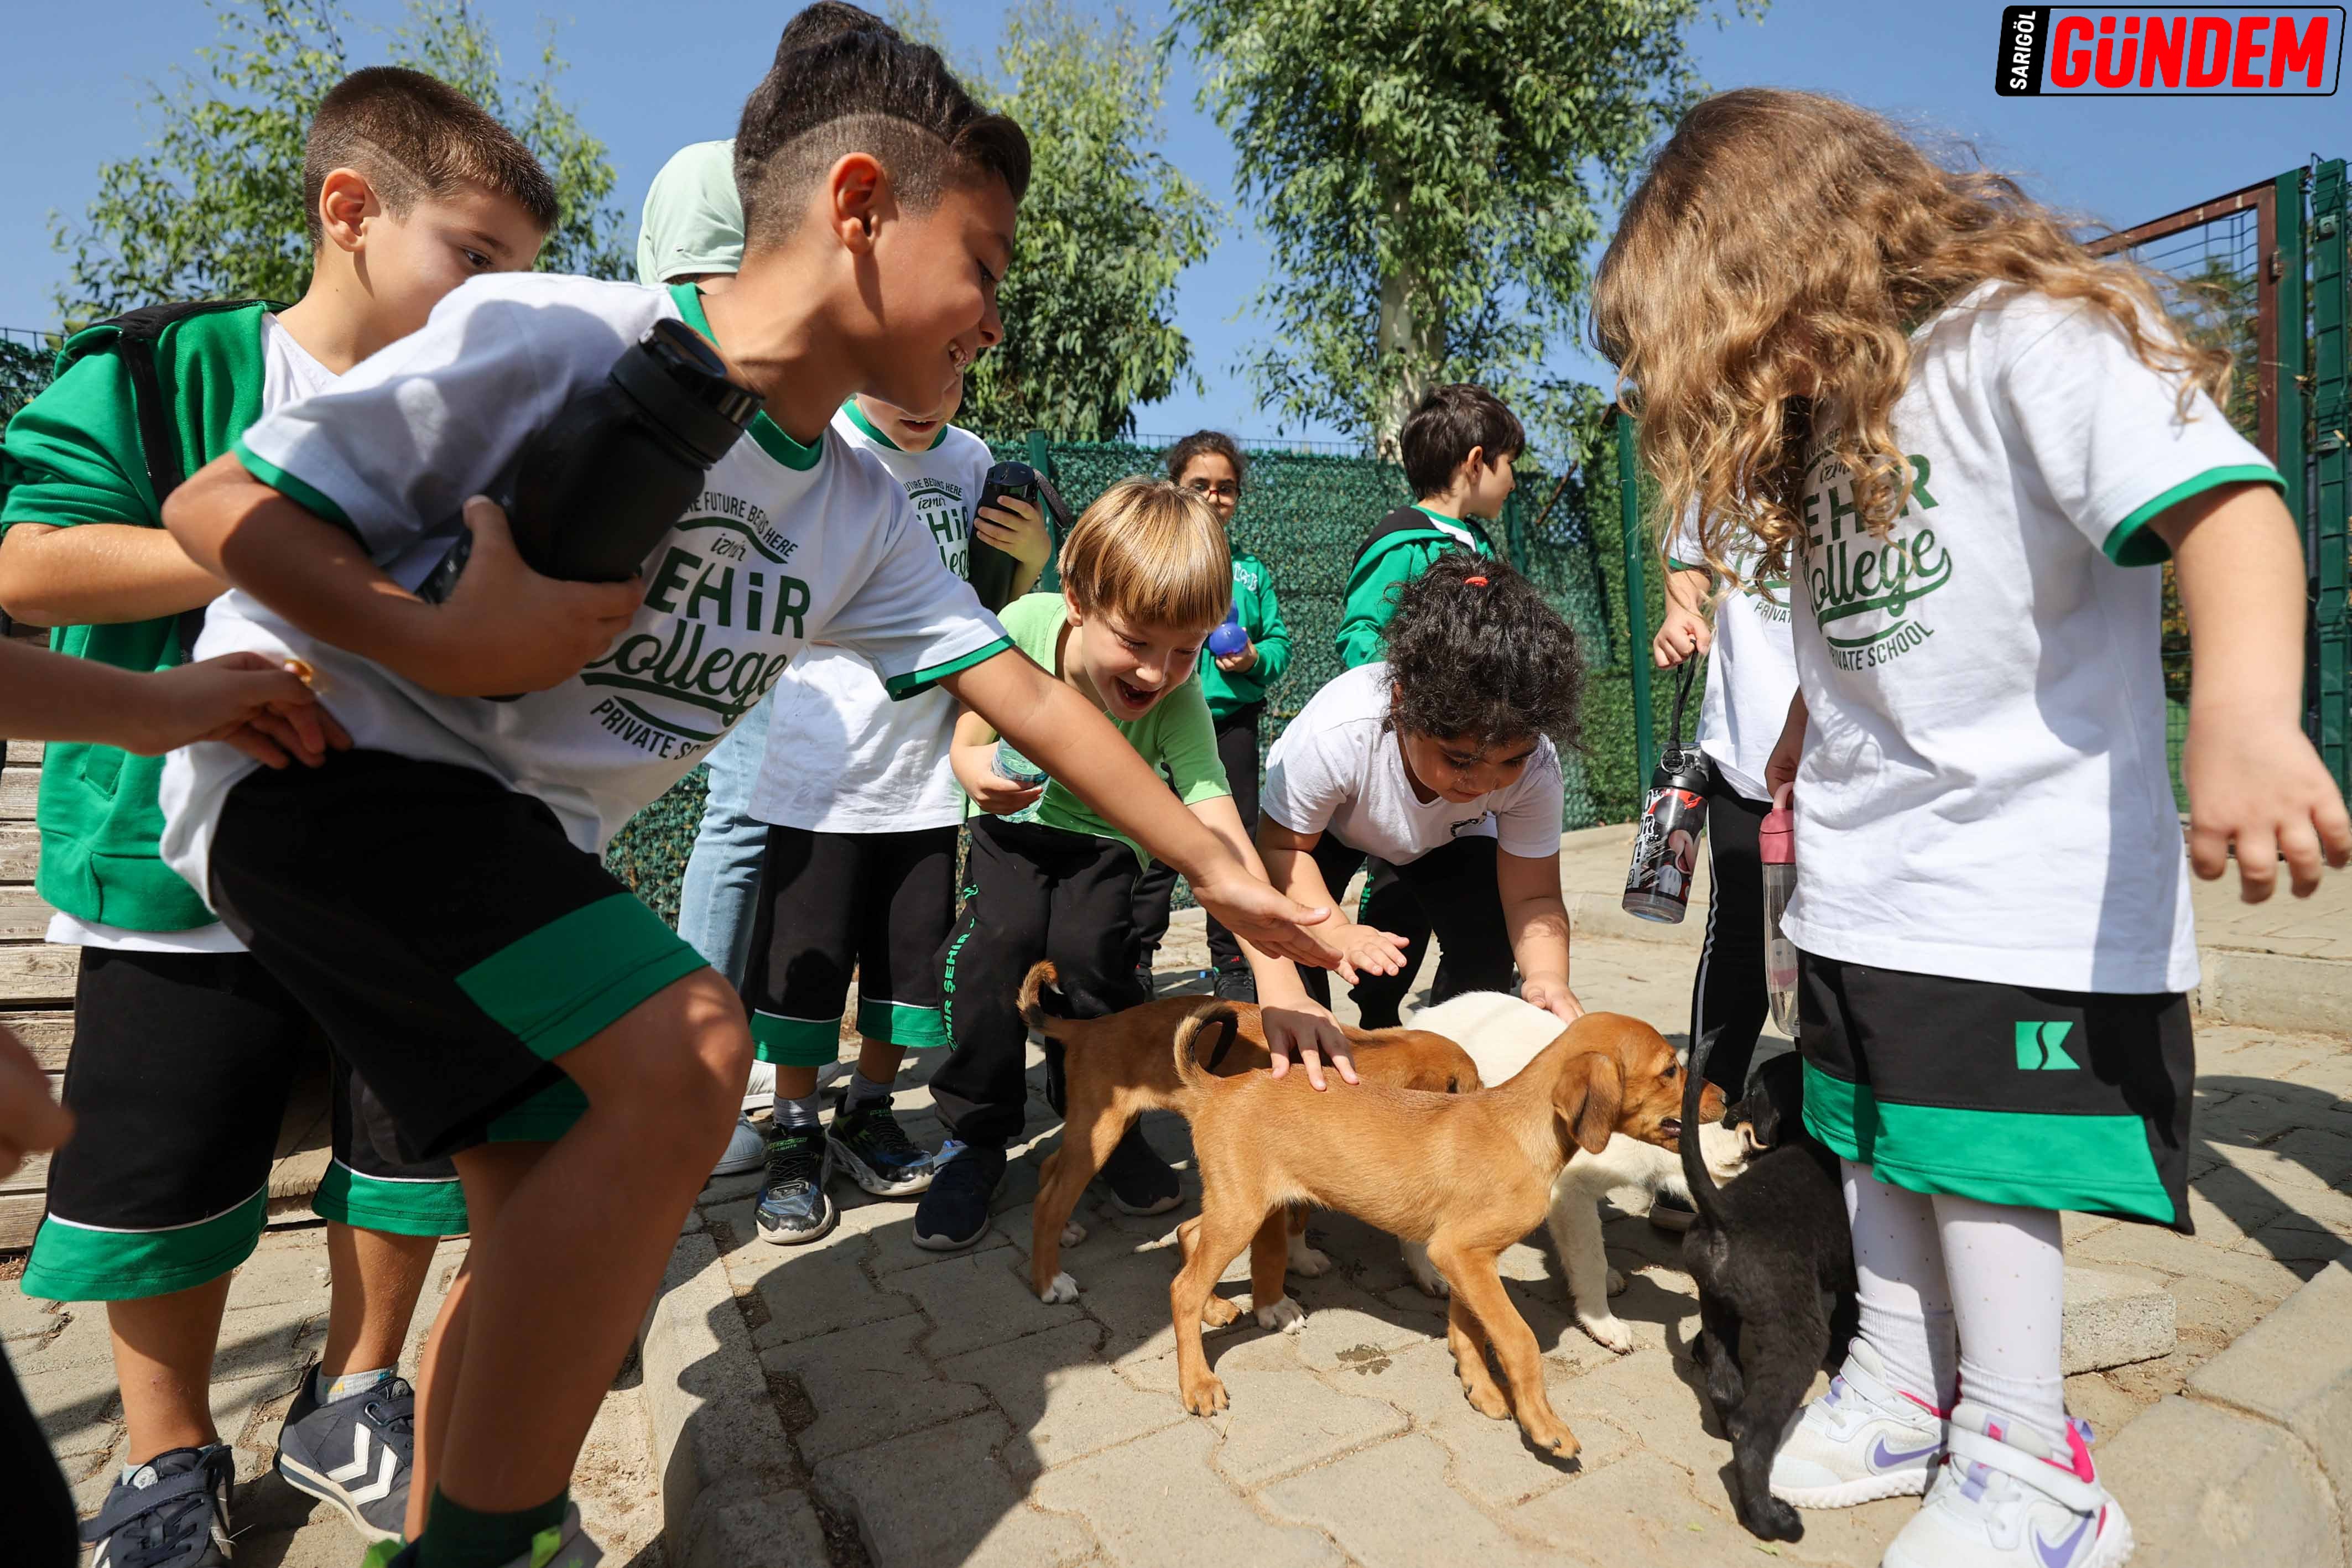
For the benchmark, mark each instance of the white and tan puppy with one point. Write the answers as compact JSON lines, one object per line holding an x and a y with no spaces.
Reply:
{"x":1502,"y":1034}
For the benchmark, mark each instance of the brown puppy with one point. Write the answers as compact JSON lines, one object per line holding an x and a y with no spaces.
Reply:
{"x":1465,"y":1175}
{"x":1119,"y":1067}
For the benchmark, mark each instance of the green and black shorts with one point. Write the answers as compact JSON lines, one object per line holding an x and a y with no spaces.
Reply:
{"x":2003,"y":1094}
{"x":448,"y":936}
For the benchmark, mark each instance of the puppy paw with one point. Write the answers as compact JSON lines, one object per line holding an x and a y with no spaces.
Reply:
{"x":1283,"y":1315}
{"x":1486,"y":1398}
{"x":1305,"y":1261}
{"x":1616,"y":1283}
{"x":1061,"y":1291}
{"x":1550,"y":1434}
{"x":1204,"y":1395}
{"x":1073,"y":1233}
{"x":1609,"y":1331}
{"x":1220,"y":1311}
{"x":1424,"y":1272}
{"x":1773,"y":1520}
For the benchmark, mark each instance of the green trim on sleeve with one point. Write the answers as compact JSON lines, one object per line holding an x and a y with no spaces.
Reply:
{"x":902,"y":1023}
{"x":295,"y":490}
{"x":796,"y":1042}
{"x":901,"y":687}
{"x":85,"y":1264}
{"x":2132,"y":543}
{"x":398,"y":1206}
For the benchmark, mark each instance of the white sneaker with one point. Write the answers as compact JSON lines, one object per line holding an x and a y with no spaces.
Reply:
{"x":1863,"y":1440}
{"x":760,"y":1089}
{"x":2006,"y":1499}
{"x":746,"y":1151}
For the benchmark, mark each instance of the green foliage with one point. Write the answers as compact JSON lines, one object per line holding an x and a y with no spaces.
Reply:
{"x":1435,"y":174}
{"x":1108,"y":227}
{"x":214,"y":208}
{"x":25,"y":361}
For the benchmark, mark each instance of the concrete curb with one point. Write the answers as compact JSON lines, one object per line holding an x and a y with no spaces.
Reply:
{"x":2253,"y":1463}
{"x":2273,"y":991}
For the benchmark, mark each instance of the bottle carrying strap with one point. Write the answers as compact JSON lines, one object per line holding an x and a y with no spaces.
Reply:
{"x":1682,"y":699}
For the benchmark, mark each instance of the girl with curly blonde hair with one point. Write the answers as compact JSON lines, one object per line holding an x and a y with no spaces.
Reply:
{"x":1964,"y":438}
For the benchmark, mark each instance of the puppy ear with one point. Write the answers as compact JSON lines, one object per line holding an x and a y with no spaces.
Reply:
{"x":1589,"y":1097}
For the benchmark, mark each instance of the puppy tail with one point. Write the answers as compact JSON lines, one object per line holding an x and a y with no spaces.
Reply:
{"x":1695,"y":1175}
{"x":1208,"y":1018}
{"x":1040,"y":995}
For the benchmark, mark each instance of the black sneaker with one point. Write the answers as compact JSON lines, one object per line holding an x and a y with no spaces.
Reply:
{"x":353,"y":1452}
{"x":1672,"y":1211}
{"x":793,"y":1207}
{"x":1141,"y":1182}
{"x":1236,"y":986}
{"x":954,"y":1211}
{"x":172,"y":1514}
{"x":877,"y":1152}
{"x":1145,"y":978}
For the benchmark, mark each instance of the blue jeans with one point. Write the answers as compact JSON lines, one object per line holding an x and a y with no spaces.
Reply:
{"x":721,"y":886}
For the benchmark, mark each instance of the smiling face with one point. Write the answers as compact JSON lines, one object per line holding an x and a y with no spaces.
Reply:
{"x":931,"y":284}
{"x":911,"y":433}
{"x":1461,"y":770}
{"x":1124,"y":666}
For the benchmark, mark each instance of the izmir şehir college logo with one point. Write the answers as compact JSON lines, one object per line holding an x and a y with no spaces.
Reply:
{"x":2205,"y":51}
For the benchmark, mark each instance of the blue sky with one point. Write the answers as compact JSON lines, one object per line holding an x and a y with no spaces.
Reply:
{"x":647,"y":88}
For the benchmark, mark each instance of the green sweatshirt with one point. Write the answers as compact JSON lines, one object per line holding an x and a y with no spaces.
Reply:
{"x":73,"y":458}
{"x":1407,"y":540}
{"x":1262,"y":619}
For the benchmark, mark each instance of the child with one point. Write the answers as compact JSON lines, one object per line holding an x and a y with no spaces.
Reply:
{"x":436,"y":895}
{"x":1144,"y":577}
{"x":860,"y":867}
{"x":184,"y":1047}
{"x":1210,"y":463}
{"x":1963,"y":435}
{"x":1442,"y":762}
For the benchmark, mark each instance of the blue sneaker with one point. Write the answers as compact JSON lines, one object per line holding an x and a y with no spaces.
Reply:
{"x":793,"y":1207}
{"x":877,"y":1152}
{"x":353,"y":1452}
{"x":173,"y":1512}
{"x":954,"y":1211}
{"x":1141,"y":1182}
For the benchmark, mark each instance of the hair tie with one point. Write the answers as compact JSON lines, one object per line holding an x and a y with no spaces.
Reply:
{"x":1474,"y":581}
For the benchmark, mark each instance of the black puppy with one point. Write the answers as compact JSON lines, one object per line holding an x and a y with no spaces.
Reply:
{"x":1774,"y":1262}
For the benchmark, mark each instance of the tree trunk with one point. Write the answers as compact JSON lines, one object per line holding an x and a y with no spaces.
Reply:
{"x":1412,"y":327}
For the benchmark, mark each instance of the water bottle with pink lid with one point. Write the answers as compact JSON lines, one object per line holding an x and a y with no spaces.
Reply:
{"x":1776,"y":840}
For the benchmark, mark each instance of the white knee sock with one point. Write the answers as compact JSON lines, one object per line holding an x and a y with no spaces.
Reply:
{"x":1906,"y":1306}
{"x":796,"y":1115}
{"x":2008,"y":1273}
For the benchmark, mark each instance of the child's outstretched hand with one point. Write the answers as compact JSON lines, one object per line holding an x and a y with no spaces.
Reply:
{"x":505,"y":629}
{"x":1268,"y":921}
{"x":248,"y":700}
{"x":30,"y":1122}
{"x":1305,"y":1030}
{"x":1364,"y":950}
{"x":2260,"y":786}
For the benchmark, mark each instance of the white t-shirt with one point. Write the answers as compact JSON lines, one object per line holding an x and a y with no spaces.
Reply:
{"x":842,"y":757}
{"x":1339,"y":769}
{"x":288,"y":372}
{"x":1751,"y":671}
{"x":1984,"y":792}
{"x":786,"y":544}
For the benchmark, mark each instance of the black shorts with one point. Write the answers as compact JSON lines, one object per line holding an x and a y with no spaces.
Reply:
{"x":452,"y":941}
{"x":2003,"y":1094}
{"x":181,"y":1069}
{"x":880,"y":904}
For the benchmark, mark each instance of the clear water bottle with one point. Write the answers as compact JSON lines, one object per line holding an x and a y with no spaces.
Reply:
{"x":1777,"y":844}
{"x":1013,"y":767}
{"x":1674,"y":819}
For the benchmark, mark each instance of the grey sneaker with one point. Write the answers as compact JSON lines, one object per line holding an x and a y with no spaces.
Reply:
{"x":353,"y":1452}
{"x":793,"y":1207}
{"x":877,"y":1152}
{"x":173,"y":1512}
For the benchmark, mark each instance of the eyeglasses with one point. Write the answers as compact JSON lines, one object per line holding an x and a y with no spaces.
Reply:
{"x":1214,"y":487}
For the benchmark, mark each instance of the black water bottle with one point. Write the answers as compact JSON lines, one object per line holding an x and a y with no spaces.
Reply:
{"x":595,"y":490}
{"x":991,"y":572}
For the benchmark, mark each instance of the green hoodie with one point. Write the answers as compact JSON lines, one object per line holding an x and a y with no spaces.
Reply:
{"x":73,"y":457}
{"x":1262,"y":619}
{"x":1407,"y":540}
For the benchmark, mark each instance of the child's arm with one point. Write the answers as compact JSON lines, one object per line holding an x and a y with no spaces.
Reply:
{"x":1296,"y":1024}
{"x":97,"y":574}
{"x":1289,"y":860}
{"x":971,"y":757}
{"x":1780,"y":766}
{"x":245,"y":699}
{"x":503,"y":629}
{"x":2253,"y":779}
{"x":1057,"y":729}
{"x":31,"y":1121}
{"x":1685,"y":630}
{"x":1537,"y":918}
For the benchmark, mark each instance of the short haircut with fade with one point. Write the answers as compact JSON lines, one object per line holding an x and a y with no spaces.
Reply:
{"x":1445,"y":424}
{"x":826,"y":19}
{"x":415,"y":138}
{"x":865,"y":90}
{"x":1152,"y":553}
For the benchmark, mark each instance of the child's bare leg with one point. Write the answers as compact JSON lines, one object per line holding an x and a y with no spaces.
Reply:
{"x":163,"y":1348}
{"x":374,"y":1277}
{"x":878,"y":1059}
{"x":559,"y":1287}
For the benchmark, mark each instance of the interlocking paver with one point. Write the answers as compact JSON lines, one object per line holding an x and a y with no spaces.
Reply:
{"x":1493,"y":1463}
{"x":808,"y":1297}
{"x":1155,"y":1503}
{"x":976,"y":1300}
{"x":868,"y":1384}
{"x":1284,"y":1419}
{"x":946,"y":1500}
{"x":1063,"y":1401}
{"x":1388,"y":1507}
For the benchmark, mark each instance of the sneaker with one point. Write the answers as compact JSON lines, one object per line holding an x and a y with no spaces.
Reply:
{"x":353,"y":1452}
{"x":794,"y":1207}
{"x":173,"y":1512}
{"x":1145,"y":978}
{"x":759,"y":1088}
{"x":1672,"y":1211}
{"x":954,"y":1211}
{"x":878,"y":1155}
{"x":2007,"y":1498}
{"x":1141,"y":1182}
{"x":1863,"y":1440}
{"x":747,"y":1151}
{"x":1235,"y":986}
{"x":566,"y":1545}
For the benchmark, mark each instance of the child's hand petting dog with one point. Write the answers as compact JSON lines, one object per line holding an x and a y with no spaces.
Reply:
{"x":1307,"y":1030}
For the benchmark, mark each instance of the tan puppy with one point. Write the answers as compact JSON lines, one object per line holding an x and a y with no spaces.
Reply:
{"x":1119,"y":1067}
{"x":1464,"y":1175}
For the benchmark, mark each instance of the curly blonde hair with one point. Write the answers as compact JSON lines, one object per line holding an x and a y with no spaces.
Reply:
{"x":1775,"y":259}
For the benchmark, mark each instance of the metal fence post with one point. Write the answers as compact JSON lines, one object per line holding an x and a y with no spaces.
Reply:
{"x":1637,"y":615}
{"x":2331,"y":408}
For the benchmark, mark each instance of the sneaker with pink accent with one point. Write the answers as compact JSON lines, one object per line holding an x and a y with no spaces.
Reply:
{"x":1863,"y":1440}
{"x":2007,"y":1497}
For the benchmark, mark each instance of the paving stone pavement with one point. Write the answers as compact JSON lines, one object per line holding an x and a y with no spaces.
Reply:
{"x":943,"y":1414}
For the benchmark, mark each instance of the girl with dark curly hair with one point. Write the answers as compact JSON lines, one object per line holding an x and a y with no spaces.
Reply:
{"x":1441,"y":764}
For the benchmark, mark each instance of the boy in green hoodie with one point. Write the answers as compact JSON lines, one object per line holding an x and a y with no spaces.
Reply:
{"x":185,"y":1049}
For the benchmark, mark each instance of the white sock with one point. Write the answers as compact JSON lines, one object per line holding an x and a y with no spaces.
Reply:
{"x":864,"y":1090}
{"x":326,"y":1390}
{"x":795,"y":1115}
{"x":1906,"y":1306}
{"x":2008,"y":1272}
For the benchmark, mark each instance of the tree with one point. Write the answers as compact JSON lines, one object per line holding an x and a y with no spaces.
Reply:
{"x":214,"y":209}
{"x":1108,"y":227}
{"x":1433,"y":174}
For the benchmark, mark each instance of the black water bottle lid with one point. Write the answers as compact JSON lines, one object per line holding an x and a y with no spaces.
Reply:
{"x":681,"y":383}
{"x":1681,"y":767}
